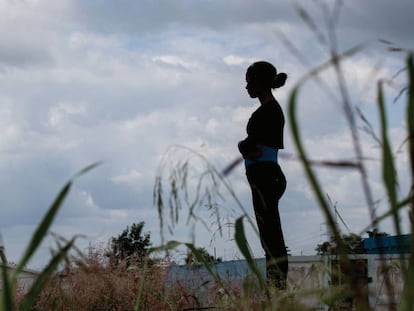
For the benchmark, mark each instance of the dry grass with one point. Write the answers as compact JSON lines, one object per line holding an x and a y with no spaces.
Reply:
{"x":95,"y":285}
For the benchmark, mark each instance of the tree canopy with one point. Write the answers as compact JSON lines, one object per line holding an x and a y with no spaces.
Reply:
{"x":192,"y":259}
{"x":353,"y":243}
{"x":131,"y":246}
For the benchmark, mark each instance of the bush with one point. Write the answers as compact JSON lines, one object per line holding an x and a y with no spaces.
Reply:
{"x":93,"y":284}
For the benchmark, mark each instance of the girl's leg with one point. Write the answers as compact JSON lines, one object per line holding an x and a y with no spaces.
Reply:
{"x":268,"y":184}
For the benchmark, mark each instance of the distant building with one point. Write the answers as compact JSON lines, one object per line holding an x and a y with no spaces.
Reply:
{"x":26,"y":277}
{"x":397,"y":244}
{"x":25,"y":280}
{"x":310,"y":275}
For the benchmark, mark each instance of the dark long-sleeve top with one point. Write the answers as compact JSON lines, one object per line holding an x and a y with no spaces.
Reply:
{"x":265,"y":128}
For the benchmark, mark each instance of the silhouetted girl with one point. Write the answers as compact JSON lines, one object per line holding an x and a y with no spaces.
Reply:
{"x":266,"y":179}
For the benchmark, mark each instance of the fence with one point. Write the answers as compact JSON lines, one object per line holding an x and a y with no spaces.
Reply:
{"x":309,"y":276}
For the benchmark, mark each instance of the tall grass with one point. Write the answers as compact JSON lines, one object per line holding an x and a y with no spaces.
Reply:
{"x":208,"y":183}
{"x":390,"y":179}
{"x":10,"y":282}
{"x":408,"y":297}
{"x":353,"y":287}
{"x":94,"y":286}
{"x":182,"y":186}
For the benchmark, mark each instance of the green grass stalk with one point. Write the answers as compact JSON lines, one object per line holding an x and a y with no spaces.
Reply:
{"x":407,"y":303}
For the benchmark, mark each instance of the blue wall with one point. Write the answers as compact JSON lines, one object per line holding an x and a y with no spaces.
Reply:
{"x":398,"y":244}
{"x":197,"y":275}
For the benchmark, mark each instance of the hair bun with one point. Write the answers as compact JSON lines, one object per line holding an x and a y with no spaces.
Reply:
{"x":280,"y":80}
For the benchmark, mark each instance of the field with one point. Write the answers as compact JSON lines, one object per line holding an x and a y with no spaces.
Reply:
{"x":91,"y":283}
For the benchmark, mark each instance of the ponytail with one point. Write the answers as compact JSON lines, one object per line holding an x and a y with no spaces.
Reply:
{"x":279,"y":80}
{"x":266,"y":74}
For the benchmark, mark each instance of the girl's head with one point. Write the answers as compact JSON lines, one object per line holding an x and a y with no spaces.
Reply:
{"x":262,"y":77}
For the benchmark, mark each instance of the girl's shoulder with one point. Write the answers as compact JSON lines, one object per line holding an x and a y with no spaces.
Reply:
{"x":272,"y":108}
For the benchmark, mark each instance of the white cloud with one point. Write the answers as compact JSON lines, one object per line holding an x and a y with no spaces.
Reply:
{"x":241,"y":114}
{"x":130,"y":177}
{"x":63,"y":111}
{"x":9,"y":128}
{"x":123,"y":82}
{"x":174,"y":61}
{"x":238,"y":60}
{"x":89,"y":202}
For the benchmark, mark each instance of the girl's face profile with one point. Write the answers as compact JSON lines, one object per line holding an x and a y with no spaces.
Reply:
{"x":251,"y":86}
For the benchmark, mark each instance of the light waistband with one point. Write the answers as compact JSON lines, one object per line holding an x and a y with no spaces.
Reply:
{"x":269,"y":154}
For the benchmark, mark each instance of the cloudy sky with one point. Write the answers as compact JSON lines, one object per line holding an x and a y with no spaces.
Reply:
{"x":123,"y":81}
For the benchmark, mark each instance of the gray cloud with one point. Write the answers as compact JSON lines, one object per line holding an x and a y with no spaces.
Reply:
{"x":123,"y":82}
{"x":373,"y":20}
{"x":149,"y":16}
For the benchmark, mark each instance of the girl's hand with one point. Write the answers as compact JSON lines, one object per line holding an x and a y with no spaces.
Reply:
{"x":248,"y":152}
{"x":253,"y":154}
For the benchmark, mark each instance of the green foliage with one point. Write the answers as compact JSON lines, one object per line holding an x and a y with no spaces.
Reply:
{"x":341,"y":245}
{"x":192,"y":186}
{"x":374,"y":233}
{"x":191,"y":258}
{"x":244,"y":248}
{"x":352,"y":244}
{"x":408,"y":296}
{"x":131,"y":246}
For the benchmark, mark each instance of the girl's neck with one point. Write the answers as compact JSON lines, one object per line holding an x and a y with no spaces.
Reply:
{"x":266,"y":98}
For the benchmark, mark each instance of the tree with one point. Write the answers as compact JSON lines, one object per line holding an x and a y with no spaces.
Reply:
{"x":288,"y":252}
{"x":323,"y":248}
{"x":191,"y":258}
{"x":353,"y":243}
{"x":131,"y":246}
{"x":374,"y":233}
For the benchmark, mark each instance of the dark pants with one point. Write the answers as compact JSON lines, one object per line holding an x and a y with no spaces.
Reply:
{"x":268,"y":184}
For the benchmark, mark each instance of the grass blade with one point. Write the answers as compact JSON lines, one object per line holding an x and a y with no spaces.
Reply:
{"x":30,"y":298}
{"x":407,"y":302}
{"x":167,"y":247}
{"x":388,"y":169}
{"x":308,"y":170}
{"x":402,"y":204}
{"x":389,"y":174}
{"x":312,"y":179}
{"x":45,"y":224}
{"x":410,"y":117}
{"x":203,"y":261}
{"x":43,"y":227}
{"x":85,"y":170}
{"x":243,"y":246}
{"x":6,"y":302}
